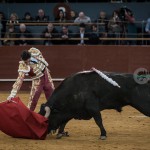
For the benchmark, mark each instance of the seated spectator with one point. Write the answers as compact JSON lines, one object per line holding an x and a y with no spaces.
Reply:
{"x":94,"y":35}
{"x":41,"y":16}
{"x":3,"y":24}
{"x":82,"y":18}
{"x":102,"y":21}
{"x":73,"y":15}
{"x":60,"y":16}
{"x":13,"y":19}
{"x":114,"y":27}
{"x":22,"y":34}
{"x":28,"y":17}
{"x":81,"y":34}
{"x":0,"y":33}
{"x":11,"y":33}
{"x":130,"y":27}
{"x":114,"y":23}
{"x":50,"y":32}
{"x":65,"y":34}
{"x":147,"y":30}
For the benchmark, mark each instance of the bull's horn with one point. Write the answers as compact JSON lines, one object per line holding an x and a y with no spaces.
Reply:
{"x":48,"y":111}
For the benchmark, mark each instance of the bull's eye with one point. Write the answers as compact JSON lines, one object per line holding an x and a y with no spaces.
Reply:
{"x":42,"y":110}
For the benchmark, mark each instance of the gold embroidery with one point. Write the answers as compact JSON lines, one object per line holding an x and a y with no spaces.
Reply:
{"x":17,"y":84}
{"x":38,"y":68}
{"x":34,"y":51}
{"x":23,"y":67}
{"x":50,"y":78}
{"x":35,"y":86}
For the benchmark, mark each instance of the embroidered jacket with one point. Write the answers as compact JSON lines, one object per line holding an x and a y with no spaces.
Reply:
{"x":35,"y":69}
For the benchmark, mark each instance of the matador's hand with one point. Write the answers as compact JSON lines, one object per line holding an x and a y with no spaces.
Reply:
{"x":9,"y":98}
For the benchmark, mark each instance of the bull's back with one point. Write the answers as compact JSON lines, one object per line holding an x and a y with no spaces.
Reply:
{"x":79,"y":89}
{"x":75,"y":90}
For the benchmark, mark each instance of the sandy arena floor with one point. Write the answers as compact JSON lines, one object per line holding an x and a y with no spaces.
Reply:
{"x":129,"y":130}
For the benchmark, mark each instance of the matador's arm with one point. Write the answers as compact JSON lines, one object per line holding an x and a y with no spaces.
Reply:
{"x":17,"y":85}
{"x":23,"y":69}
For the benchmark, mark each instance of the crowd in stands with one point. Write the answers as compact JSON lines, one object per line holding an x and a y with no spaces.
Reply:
{"x":82,"y":31}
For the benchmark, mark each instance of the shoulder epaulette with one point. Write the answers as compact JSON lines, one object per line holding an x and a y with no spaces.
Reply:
{"x":23,"y":67}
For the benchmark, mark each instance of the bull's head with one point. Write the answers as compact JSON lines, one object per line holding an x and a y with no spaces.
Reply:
{"x":45,"y":111}
{"x":53,"y":116}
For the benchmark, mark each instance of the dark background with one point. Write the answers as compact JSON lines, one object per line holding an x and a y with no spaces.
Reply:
{"x":70,"y":1}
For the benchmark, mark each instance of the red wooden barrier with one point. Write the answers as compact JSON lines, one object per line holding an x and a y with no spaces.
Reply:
{"x":66,"y":60}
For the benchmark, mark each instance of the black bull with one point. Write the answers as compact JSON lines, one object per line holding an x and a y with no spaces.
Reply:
{"x":84,"y":95}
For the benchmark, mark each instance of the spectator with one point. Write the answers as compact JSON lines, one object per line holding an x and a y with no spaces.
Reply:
{"x":0,"y":33}
{"x":65,"y":35}
{"x":60,"y":16}
{"x":41,"y":16}
{"x":2,"y":24}
{"x":130,"y":26}
{"x":22,"y":34}
{"x":147,"y":29}
{"x":50,"y":32}
{"x":13,"y":19}
{"x":94,"y":35}
{"x":82,"y":18}
{"x":102,"y":21}
{"x":73,"y":15}
{"x":81,"y":34}
{"x":11,"y":33}
{"x":114,"y":27}
{"x":28,"y":17}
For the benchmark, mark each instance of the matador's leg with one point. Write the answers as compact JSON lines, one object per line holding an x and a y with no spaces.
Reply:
{"x":48,"y":84}
{"x":35,"y":93}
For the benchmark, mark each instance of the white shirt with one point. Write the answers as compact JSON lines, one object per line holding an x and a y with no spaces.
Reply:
{"x":82,"y":37}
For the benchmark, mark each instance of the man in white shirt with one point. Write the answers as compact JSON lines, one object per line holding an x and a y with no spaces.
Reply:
{"x":82,"y":18}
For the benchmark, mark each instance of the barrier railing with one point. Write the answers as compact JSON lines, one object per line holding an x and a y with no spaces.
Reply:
{"x":122,"y":39}
{"x":13,"y":80}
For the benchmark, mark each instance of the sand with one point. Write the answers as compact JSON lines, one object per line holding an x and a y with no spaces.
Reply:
{"x":128,"y":130}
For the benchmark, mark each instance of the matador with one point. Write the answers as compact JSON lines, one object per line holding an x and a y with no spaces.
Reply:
{"x":34,"y":65}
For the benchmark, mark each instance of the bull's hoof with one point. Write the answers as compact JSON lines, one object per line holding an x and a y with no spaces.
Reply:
{"x":60,"y":135}
{"x":53,"y":131}
{"x":103,"y":137}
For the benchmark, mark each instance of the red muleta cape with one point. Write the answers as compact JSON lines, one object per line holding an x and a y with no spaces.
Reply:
{"x":18,"y":121}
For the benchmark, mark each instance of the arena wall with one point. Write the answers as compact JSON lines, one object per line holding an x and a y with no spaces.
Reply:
{"x":66,"y":60}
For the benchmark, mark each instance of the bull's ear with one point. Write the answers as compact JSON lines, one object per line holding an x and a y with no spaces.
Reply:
{"x":42,"y":107}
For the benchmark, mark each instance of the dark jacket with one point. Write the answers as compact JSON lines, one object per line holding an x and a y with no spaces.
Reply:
{"x":53,"y":34}
{"x":21,"y":35}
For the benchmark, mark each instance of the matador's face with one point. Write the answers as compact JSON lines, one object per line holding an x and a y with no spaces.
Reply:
{"x":27,"y":61}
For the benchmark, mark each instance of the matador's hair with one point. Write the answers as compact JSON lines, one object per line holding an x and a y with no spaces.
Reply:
{"x":25,"y":55}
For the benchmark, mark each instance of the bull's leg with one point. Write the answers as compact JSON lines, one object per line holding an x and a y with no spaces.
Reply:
{"x":62,"y":127}
{"x":98,"y":119}
{"x":92,"y":107}
{"x":61,"y":131}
